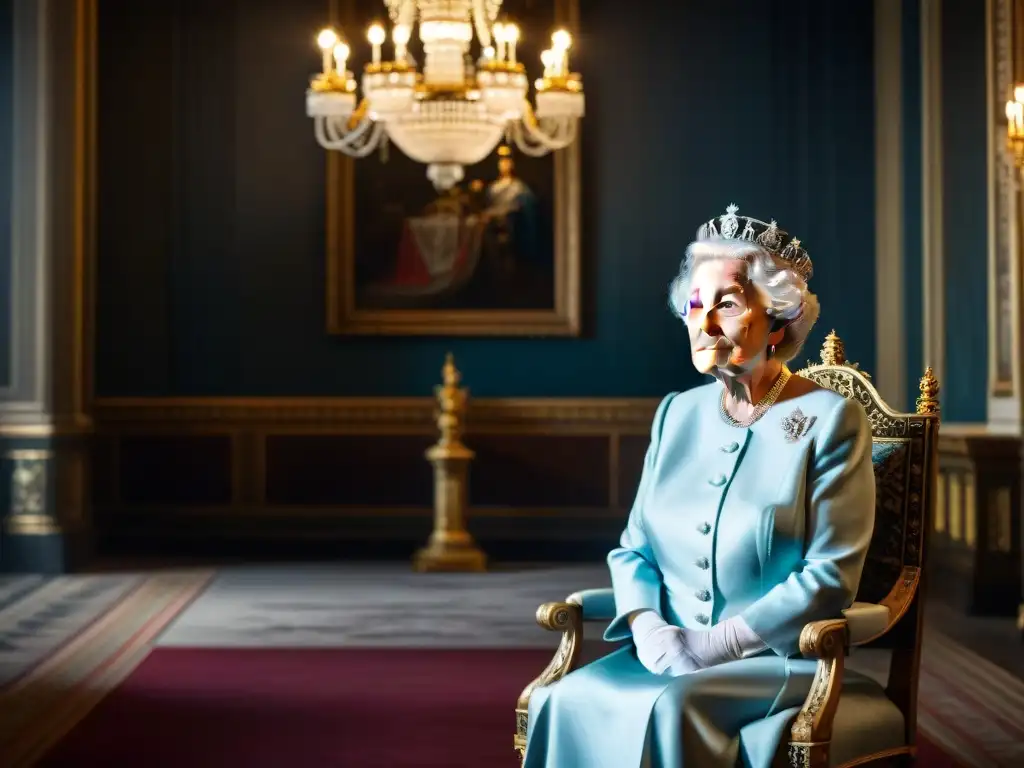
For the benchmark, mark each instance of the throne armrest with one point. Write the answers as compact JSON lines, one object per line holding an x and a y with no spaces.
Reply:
{"x":811,"y":734}
{"x":866,"y":621}
{"x":828,"y":641}
{"x":597,"y":604}
{"x":567,"y":618}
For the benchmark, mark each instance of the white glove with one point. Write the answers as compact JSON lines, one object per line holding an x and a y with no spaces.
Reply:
{"x":728,"y":640}
{"x":661,"y":647}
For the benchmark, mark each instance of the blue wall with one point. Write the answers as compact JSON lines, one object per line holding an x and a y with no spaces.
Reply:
{"x":965,"y":185}
{"x":211,"y":274}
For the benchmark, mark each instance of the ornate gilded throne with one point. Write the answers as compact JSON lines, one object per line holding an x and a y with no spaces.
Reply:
{"x":887,"y":614}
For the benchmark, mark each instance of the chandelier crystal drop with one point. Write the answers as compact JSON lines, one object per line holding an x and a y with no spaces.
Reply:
{"x":453,"y":113}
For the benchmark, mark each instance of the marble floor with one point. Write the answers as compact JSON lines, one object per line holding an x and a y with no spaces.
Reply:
{"x":382,"y":606}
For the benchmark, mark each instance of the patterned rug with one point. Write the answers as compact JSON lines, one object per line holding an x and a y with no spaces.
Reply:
{"x":970,"y":707}
{"x":39,"y":614}
{"x":68,"y":642}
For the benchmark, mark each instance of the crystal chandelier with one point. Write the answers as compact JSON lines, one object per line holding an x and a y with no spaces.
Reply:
{"x":1015,"y":126}
{"x":453,"y":113}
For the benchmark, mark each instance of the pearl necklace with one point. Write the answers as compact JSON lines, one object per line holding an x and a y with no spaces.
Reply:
{"x":762,"y":406}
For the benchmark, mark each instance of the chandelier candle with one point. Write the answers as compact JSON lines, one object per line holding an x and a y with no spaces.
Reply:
{"x":1015,"y":126}
{"x":376,"y":35}
{"x":560,"y":44}
{"x":400,"y":35}
{"x":326,"y":40}
{"x":449,"y":114}
{"x":341,"y":52}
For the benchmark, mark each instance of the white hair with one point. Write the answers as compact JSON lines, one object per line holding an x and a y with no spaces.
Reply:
{"x":785,"y":292}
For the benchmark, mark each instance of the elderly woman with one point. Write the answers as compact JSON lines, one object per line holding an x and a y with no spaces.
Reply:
{"x":753,"y":518}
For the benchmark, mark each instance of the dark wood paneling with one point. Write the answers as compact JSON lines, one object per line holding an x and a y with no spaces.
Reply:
{"x":175,"y":469}
{"x":540,"y":470}
{"x":367,"y":470}
{"x":350,"y":475}
{"x":105,"y":469}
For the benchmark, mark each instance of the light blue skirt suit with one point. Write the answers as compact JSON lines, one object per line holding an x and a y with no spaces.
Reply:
{"x":727,"y":521}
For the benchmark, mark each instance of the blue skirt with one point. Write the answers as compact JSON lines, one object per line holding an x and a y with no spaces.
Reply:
{"x":613,"y":713}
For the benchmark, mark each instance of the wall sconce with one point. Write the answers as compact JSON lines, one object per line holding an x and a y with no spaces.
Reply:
{"x":1015,"y":126}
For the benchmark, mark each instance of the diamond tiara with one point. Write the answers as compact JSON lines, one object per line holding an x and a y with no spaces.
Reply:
{"x":776,"y":241}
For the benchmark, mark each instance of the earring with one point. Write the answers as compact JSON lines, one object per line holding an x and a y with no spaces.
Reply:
{"x":771,"y":351}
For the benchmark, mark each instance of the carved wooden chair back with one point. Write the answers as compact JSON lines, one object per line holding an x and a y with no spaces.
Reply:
{"x":904,"y":452}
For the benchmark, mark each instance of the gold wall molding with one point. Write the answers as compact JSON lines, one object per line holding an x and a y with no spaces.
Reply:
{"x":1004,"y":226}
{"x":370,"y":414}
{"x":245,"y":514}
{"x":47,"y":428}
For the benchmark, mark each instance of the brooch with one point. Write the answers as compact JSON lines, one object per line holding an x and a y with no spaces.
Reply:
{"x":796,"y":425}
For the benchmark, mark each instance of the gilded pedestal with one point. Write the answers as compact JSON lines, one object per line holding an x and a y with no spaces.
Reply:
{"x":450,"y":548}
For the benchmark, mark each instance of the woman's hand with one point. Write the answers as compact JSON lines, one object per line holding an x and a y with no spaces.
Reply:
{"x":729,"y":640}
{"x":666,"y":649}
{"x":661,"y":647}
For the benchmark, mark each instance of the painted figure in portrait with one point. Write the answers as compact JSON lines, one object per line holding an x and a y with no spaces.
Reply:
{"x":753,"y":517}
{"x":485,"y":244}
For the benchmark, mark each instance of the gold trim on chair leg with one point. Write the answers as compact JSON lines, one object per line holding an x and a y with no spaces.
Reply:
{"x":566,"y":618}
{"x":811,"y":734}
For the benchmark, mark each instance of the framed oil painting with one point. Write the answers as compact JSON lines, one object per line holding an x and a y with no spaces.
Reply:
{"x":497,"y":255}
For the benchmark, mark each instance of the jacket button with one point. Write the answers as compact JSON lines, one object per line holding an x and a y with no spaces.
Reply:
{"x":702,"y":618}
{"x":703,"y":595}
{"x":704,"y":528}
{"x":731,"y":447}
{"x":717,"y":480}
{"x":703,"y":564}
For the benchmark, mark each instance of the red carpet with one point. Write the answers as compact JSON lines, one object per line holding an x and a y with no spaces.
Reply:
{"x":311,"y":708}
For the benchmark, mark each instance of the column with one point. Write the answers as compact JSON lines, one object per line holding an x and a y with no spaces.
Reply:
{"x":45,"y":424}
{"x":890,"y":330}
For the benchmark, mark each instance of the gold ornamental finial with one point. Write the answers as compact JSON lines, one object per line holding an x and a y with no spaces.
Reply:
{"x":451,"y":400}
{"x":928,"y":400}
{"x":449,"y":373}
{"x":832,"y":351}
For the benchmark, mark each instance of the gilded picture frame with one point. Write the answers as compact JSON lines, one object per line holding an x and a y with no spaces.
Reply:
{"x":1003,"y":209}
{"x":349,"y":314}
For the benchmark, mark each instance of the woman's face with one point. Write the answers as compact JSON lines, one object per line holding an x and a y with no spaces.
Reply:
{"x":727,"y":319}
